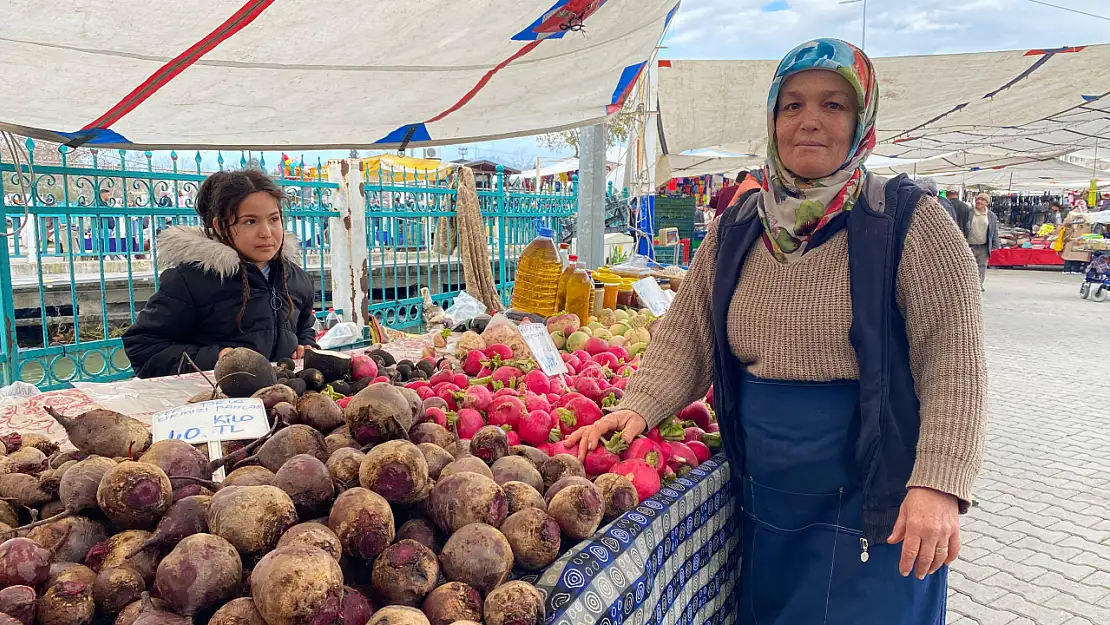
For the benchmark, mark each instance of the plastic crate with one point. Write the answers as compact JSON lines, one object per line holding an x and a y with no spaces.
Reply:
{"x":668,"y":254}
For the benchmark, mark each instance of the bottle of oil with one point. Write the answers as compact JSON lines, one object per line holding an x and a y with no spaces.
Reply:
{"x":580,"y":290}
{"x":537,"y":275}
{"x":561,"y":299}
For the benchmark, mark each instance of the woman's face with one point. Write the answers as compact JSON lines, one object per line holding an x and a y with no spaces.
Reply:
{"x":816,"y":123}
{"x":258,"y":231}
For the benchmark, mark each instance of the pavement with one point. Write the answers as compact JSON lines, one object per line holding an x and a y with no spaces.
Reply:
{"x":1036,"y":550}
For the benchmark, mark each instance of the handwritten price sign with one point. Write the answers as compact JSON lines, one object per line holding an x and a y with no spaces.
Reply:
{"x":235,"y":419}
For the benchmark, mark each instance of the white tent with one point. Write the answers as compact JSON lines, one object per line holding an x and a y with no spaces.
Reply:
{"x":1054,"y":175}
{"x":315,"y":75}
{"x":1016,"y":103}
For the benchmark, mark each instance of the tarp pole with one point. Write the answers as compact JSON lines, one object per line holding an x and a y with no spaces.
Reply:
{"x":591,"y":196}
{"x":350,"y":256}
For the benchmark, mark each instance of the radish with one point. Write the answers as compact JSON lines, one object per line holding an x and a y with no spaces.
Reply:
{"x":607,"y":359}
{"x":566,"y":399}
{"x":596,"y":346}
{"x":694,"y":433}
{"x":363,"y":367}
{"x":506,"y":392}
{"x":700,"y":449}
{"x":620,"y":353}
{"x":416,"y":385}
{"x":591,"y":388}
{"x":503,"y":352}
{"x":343,"y":401}
{"x":709,"y":398}
{"x":514,"y":438}
{"x":425,"y":392}
{"x":556,"y":385}
{"x":506,"y":377}
{"x":537,"y":402}
{"x":621,"y":383}
{"x":647,"y":450}
{"x":714,"y":428}
{"x":612,"y":397}
{"x":477,"y":397}
{"x":583,"y":356}
{"x":578,"y":413}
{"x":604,"y":456}
{"x":712,"y":439}
{"x":560,"y":447}
{"x":571,"y":360}
{"x":381,"y":379}
{"x":626,"y":371}
{"x":461,"y":380}
{"x":537,"y":382}
{"x":436,"y":415}
{"x":644,"y":477}
{"x":473,"y":362}
{"x":446,"y":391}
{"x":441,"y":376}
{"x":468,"y":421}
{"x":680,"y":458}
{"x":505,"y":411}
{"x":535,"y":427}
{"x":667,"y":431}
{"x":698,"y":413}
{"x":552,"y":399}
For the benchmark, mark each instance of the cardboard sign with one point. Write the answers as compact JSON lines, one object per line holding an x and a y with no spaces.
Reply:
{"x":234,"y":419}
{"x":543,"y":349}
{"x":651,"y":296}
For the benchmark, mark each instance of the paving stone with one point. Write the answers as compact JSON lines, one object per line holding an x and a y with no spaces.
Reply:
{"x":979,"y":613}
{"x":1029,"y":591}
{"x":1077,"y":607}
{"x":1087,"y":591}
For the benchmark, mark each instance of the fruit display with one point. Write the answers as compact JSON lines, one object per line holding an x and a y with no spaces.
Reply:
{"x":386,"y":491}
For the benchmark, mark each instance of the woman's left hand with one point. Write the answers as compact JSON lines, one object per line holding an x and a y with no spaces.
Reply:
{"x":299,"y":354}
{"x":928,"y":527}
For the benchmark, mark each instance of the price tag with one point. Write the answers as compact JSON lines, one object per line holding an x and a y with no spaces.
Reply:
{"x":652,"y":296}
{"x":543,"y":349}
{"x":212,"y":422}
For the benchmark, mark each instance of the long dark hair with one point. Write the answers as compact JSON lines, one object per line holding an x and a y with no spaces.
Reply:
{"x":218,"y":206}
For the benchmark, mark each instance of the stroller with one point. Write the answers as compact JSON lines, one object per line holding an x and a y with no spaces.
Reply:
{"x":1096,"y":284}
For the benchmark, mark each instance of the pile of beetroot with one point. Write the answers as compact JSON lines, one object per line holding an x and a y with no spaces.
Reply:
{"x":406,"y":503}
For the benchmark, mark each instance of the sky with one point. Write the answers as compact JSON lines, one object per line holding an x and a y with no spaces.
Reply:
{"x":767,"y":29}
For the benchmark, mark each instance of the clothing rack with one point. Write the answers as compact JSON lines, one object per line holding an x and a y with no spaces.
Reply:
{"x":1024,"y":211}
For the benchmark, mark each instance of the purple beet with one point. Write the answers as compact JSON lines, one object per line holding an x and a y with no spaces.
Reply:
{"x":298,"y":584}
{"x":134,"y":495}
{"x":201,"y":572}
{"x":19,"y":602}
{"x":356,"y":607}
{"x":307,"y":482}
{"x":186,"y":517}
{"x":23,"y":562}
{"x":404,"y":573}
{"x":363,"y":521}
{"x":422,"y":531}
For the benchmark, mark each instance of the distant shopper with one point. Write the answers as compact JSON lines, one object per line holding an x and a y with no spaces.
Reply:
{"x":930,"y":187}
{"x":963,"y":211}
{"x":745,"y":182}
{"x":983,"y":234}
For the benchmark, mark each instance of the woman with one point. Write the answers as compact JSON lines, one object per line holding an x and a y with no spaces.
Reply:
{"x":232,"y":283}
{"x":837,"y":315}
{"x":982,"y":234}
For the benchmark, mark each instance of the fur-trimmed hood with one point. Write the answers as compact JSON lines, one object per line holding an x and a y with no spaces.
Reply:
{"x":178,"y":245}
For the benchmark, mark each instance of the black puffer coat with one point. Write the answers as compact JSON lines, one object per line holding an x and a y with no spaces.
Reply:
{"x":196,"y":309}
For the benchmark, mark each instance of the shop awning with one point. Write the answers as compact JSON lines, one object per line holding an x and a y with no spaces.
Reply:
{"x":256,"y":74}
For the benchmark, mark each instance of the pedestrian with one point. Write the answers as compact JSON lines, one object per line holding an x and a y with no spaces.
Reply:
{"x":837,"y":315}
{"x":982,"y":235}
{"x":745,"y":182}
{"x":930,"y":187}
{"x":1075,"y":260}
{"x":963,"y":211}
{"x":234,"y":282}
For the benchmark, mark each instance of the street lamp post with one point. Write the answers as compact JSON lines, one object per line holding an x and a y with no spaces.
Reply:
{"x":863,"y":41}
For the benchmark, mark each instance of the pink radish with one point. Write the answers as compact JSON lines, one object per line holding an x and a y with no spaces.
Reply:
{"x":572,"y":361}
{"x":553,"y":398}
{"x":535,"y":428}
{"x":647,"y":450}
{"x":506,"y":392}
{"x":714,"y":428}
{"x":424,"y":392}
{"x":669,"y":430}
{"x":698,"y":413}
{"x":363,"y":367}
{"x":560,"y":447}
{"x":380,"y":380}
{"x":700,"y":449}
{"x":578,"y":413}
{"x":583,"y":356}
{"x":537,"y":382}
{"x":680,"y":458}
{"x":461,"y":380}
{"x":604,"y":456}
{"x":477,"y":397}
{"x":469,"y":421}
{"x":342,"y":402}
{"x":504,"y":352}
{"x":621,"y":383}
{"x":446,"y":391}
{"x":537,"y":402}
{"x":644,"y":477}
{"x":441,"y":376}
{"x":416,"y":385}
{"x":437,"y":415}
{"x":694,"y":433}
{"x":506,"y":377}
{"x":514,"y":438}
{"x":506,"y":411}
{"x":596,"y":346}
{"x":709,"y":398}
{"x":620,"y":353}
{"x":607,"y":359}
{"x":473,"y":362}
{"x":591,"y":389}
{"x":626,"y":371}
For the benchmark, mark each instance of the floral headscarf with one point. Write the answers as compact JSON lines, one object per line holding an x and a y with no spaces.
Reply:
{"x":793,"y":209}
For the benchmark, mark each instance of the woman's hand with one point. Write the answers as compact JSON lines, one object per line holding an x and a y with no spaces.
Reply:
{"x":630,"y":423}
{"x":928,"y":527}
{"x":299,"y":353}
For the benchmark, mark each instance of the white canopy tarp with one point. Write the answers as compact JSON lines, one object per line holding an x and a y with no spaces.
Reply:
{"x":255,"y":74}
{"x":1017,"y":102}
{"x":1054,"y":175}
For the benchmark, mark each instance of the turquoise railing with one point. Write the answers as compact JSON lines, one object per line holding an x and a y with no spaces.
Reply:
{"x":412,"y":237}
{"x":80,"y":267}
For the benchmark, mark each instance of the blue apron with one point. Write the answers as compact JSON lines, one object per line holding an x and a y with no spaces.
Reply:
{"x":803,"y":548}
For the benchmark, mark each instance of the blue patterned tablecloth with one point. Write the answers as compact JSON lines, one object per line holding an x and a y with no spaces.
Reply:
{"x":673,"y":560}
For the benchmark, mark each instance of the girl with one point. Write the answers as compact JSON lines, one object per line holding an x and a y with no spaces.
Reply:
{"x":232,"y":283}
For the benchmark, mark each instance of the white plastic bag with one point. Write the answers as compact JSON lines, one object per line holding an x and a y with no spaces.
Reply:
{"x":465,"y":308}
{"x":341,"y":334}
{"x":19,"y":389}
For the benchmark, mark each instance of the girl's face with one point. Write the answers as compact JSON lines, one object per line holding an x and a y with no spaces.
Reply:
{"x":258,"y":231}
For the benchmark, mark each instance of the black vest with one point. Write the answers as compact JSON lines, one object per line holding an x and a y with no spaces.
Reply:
{"x":889,"y":424}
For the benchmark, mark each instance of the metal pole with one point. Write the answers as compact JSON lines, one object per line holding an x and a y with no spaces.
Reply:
{"x":591,"y":196}
{"x":863,"y":43}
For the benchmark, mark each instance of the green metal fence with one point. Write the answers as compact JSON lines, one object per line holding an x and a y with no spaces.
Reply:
{"x":79,"y":260}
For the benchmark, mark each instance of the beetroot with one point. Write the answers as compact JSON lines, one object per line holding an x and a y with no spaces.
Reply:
{"x":535,"y":455}
{"x":477,"y":555}
{"x":404,"y":573}
{"x":18,"y":602}
{"x":644,"y":477}
{"x":10,"y":518}
{"x":273,"y":395}
{"x":339,"y":438}
{"x":470,"y":464}
{"x":239,"y":611}
{"x":398,"y":615}
{"x":251,"y":518}
{"x":116,"y":587}
{"x":291,"y":441}
{"x":356,"y":608}
{"x":315,"y":597}
{"x":560,"y":466}
{"x":23,"y":490}
{"x":201,"y":572}
{"x":519,"y":496}
{"x":577,"y":413}
{"x":647,"y":450}
{"x":465,"y":498}
{"x":698,"y":413}
{"x":452,"y":602}
{"x":363,"y":521}
{"x":517,"y":469}
{"x":460,"y":449}
{"x":430,"y":433}
{"x":67,"y":598}
{"x":177,"y":458}
{"x":27,"y":460}
{"x":570,"y":480}
{"x":436,"y":457}
{"x":397,"y":471}
{"x":379,"y":413}
{"x":130,"y":614}
{"x":134,"y":495}
{"x":104,"y":433}
{"x":490,"y":444}
{"x":314,"y":535}
{"x":506,"y":410}
{"x":319,"y":411}
{"x":122,"y":550}
{"x":514,"y":603}
{"x":617,"y":493}
{"x":416,"y":405}
{"x":249,"y":476}
{"x":467,"y":422}
{"x":535,"y":538}
{"x":307,"y":482}
{"x":578,"y":508}
{"x":422,"y":531}
{"x":475,"y":397}
{"x":344,"y":465}
{"x":69,"y":539}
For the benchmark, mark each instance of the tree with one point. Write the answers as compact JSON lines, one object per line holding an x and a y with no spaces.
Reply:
{"x":618,"y":128}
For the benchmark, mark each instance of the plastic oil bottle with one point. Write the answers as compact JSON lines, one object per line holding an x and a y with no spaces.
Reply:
{"x":537,"y":275}
{"x":561,"y":299}
{"x":580,"y":290}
